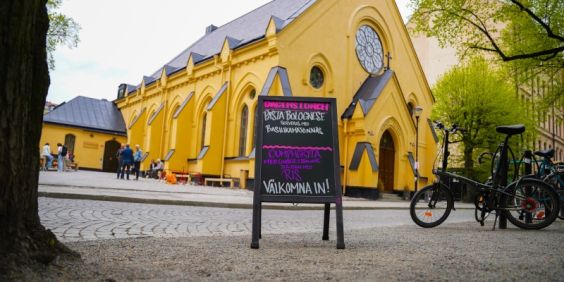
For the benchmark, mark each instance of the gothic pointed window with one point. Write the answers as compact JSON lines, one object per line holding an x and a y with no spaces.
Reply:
{"x":243,"y":132}
{"x":254,"y":128}
{"x":203,"y":140}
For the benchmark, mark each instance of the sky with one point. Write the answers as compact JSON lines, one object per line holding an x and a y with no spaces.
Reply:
{"x":122,"y":40}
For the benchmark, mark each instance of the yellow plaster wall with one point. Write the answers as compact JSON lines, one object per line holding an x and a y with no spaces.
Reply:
{"x":136,"y":133}
{"x":316,"y":38}
{"x":154,"y":138}
{"x":89,"y":145}
{"x":245,"y":69}
{"x":334,"y":52}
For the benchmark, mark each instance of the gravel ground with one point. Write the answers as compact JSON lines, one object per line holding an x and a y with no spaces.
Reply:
{"x":453,"y":252}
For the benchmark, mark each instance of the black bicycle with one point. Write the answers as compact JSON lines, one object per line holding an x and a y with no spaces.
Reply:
{"x":551,"y":173}
{"x":528,"y":203}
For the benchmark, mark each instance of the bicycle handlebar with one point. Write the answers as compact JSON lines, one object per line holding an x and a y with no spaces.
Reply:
{"x":451,"y":130}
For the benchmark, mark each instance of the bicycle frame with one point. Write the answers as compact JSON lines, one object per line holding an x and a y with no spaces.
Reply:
{"x":499,"y":178}
{"x":527,"y":202}
{"x":477,"y":185}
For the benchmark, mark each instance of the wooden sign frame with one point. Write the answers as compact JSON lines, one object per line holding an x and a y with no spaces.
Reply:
{"x":327,"y":200}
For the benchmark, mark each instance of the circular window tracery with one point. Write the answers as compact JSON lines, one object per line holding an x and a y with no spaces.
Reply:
{"x":316,"y":77}
{"x":369,"y":50}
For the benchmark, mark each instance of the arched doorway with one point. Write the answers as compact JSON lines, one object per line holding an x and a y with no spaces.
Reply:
{"x":110,"y":159}
{"x":69,"y":142}
{"x":387,"y":155}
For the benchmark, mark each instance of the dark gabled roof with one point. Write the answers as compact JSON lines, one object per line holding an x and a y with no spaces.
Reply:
{"x":88,"y":113}
{"x":217,"y":96}
{"x":283,"y":75}
{"x":358,"y":153}
{"x":412,"y":163}
{"x":241,"y":31}
{"x":368,"y":93}
{"x":183,"y":105}
{"x":155,"y":114}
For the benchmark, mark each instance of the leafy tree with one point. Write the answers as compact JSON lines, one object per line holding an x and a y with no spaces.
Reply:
{"x":477,"y":97}
{"x":527,"y":35}
{"x":63,"y":30}
{"x":511,"y":29}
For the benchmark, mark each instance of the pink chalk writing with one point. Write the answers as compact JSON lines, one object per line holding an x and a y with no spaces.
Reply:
{"x":296,"y":106}
{"x":297,"y":147}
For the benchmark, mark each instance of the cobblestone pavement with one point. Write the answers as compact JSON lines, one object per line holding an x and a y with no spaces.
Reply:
{"x":82,"y":220}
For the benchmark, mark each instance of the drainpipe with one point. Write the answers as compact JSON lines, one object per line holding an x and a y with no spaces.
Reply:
{"x":226,"y":119}
{"x":164,"y":100}
{"x":346,"y":155}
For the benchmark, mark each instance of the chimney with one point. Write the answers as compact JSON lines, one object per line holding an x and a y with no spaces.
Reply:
{"x":210,"y":29}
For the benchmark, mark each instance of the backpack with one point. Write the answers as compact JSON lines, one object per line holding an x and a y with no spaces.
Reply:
{"x":64,"y":151}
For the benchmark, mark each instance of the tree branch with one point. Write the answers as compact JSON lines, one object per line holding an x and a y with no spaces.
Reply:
{"x":546,"y":27}
{"x":552,"y":52}
{"x":483,"y":29}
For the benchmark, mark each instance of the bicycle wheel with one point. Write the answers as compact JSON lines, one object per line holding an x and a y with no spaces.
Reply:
{"x":430,"y":206}
{"x":531,"y":204}
{"x":555,"y":182}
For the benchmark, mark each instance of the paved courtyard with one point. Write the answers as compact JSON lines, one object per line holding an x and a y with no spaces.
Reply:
{"x":80,"y":220}
{"x":121,"y":241}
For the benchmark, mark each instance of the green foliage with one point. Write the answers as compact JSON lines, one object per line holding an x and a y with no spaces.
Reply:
{"x":63,"y":30}
{"x":528,"y":35}
{"x":477,"y":97}
{"x":514,"y":30}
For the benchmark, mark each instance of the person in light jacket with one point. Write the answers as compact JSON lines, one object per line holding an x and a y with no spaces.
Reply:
{"x":137,"y":161}
{"x":46,"y":153}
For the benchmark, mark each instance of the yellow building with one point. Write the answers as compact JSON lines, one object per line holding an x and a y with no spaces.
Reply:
{"x":197,"y":112}
{"x":92,"y":130}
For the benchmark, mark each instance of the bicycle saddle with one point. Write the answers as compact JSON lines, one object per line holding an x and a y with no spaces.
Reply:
{"x":545,"y":153}
{"x":511,"y":129}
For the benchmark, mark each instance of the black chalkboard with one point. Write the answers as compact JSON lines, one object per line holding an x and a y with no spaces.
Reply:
{"x":297,"y":156}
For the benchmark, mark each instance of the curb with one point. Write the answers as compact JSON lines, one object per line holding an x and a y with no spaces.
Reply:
{"x":196,"y":204}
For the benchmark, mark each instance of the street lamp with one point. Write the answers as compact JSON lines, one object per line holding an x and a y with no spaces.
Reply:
{"x":417,"y":111}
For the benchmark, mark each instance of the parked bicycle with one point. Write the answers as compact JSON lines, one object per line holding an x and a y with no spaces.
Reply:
{"x":551,"y":173}
{"x":528,"y":203}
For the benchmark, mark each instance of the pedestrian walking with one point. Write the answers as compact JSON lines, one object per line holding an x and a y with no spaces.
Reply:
{"x":118,"y":157}
{"x":60,"y":157}
{"x":126,"y":160}
{"x":46,"y":153}
{"x":137,"y":160}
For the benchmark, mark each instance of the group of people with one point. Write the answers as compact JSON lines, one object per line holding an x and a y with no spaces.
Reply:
{"x":126,"y":159}
{"x":64,"y":157}
{"x":129,"y":161}
{"x":155,"y":169}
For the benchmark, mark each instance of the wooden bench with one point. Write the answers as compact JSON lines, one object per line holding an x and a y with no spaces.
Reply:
{"x":220,"y":181}
{"x":185,"y":178}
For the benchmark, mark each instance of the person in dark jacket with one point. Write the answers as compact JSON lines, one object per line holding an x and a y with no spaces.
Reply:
{"x":126,"y":160}
{"x":118,"y":157}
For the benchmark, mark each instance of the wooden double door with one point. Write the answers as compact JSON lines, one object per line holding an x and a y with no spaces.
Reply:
{"x":110,"y":163}
{"x":386,"y":161}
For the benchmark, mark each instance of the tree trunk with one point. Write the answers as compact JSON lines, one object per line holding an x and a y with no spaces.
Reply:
{"x":24,"y":81}
{"x":468,"y":194}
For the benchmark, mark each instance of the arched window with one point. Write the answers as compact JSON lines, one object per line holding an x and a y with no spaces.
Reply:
{"x":254,"y":128}
{"x":203,"y":141}
{"x":410,"y":108}
{"x":69,"y":142}
{"x":243,"y":132}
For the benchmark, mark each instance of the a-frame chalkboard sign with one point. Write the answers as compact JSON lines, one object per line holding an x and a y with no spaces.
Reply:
{"x":297,"y":158}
